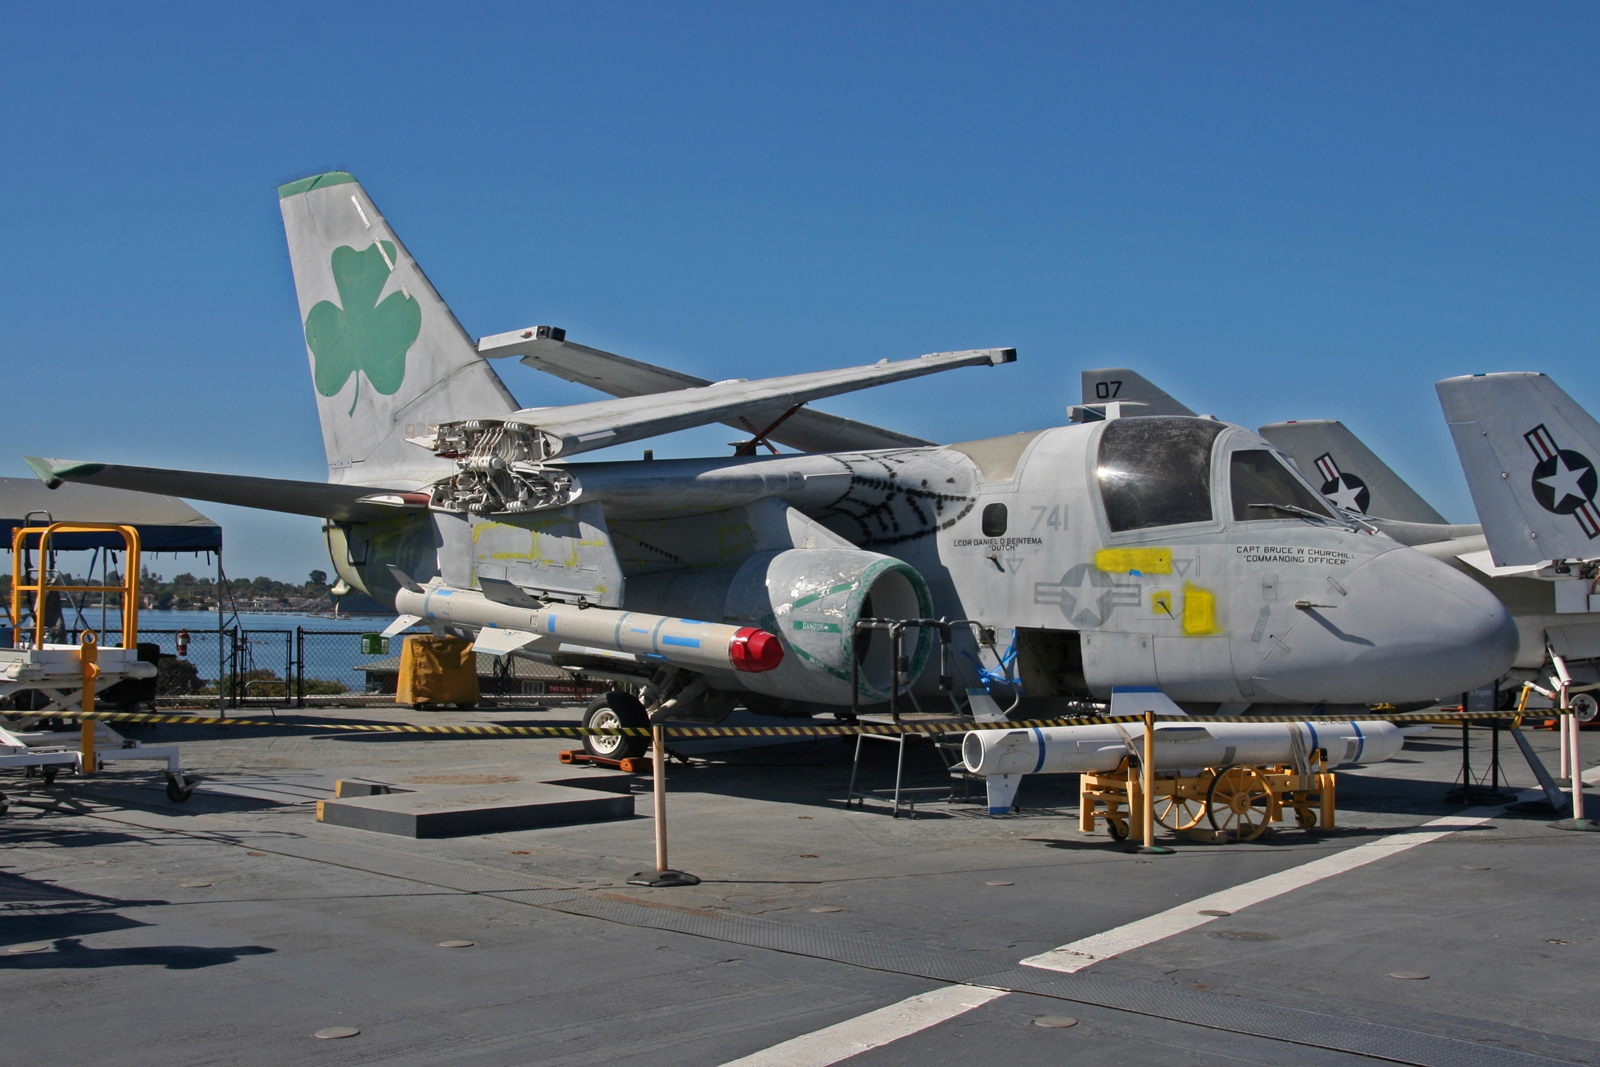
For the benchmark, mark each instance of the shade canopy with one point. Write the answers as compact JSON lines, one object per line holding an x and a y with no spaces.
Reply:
{"x":165,"y":523}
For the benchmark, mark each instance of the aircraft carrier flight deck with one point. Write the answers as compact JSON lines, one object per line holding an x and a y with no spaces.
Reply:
{"x":236,"y":927}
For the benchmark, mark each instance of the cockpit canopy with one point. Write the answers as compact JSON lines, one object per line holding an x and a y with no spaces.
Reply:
{"x":1156,"y":471}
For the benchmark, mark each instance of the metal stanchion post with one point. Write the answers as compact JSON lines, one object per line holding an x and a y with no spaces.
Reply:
{"x":88,"y":660}
{"x":663,"y":876}
{"x":1576,"y":732}
{"x":658,"y":765}
{"x":1148,"y":788}
{"x":1571,"y":755}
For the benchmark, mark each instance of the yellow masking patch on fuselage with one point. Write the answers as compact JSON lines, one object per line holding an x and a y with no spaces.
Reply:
{"x":1128,"y":560}
{"x":1199,"y":611}
{"x":1161,"y":602}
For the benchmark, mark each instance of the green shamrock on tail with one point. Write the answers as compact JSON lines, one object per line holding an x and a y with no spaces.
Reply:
{"x":364,"y":336}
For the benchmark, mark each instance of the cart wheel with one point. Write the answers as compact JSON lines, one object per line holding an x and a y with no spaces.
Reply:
{"x":1179,"y":813}
{"x":5,"y":803}
{"x":1305,"y":816}
{"x":1237,"y":801}
{"x":49,"y":775}
{"x":177,"y":790}
{"x":1117,"y":829}
{"x":465,"y":707}
{"x":612,"y":711}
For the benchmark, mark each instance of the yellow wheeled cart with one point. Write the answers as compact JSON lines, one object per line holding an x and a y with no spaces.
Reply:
{"x":1237,"y":802}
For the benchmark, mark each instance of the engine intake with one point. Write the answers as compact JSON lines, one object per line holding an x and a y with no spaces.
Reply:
{"x":810,"y":600}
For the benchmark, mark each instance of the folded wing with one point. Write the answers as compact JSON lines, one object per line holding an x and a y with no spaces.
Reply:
{"x":545,"y":348}
{"x":566,"y":431}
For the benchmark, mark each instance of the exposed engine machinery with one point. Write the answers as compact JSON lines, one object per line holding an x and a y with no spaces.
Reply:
{"x":499,"y":468}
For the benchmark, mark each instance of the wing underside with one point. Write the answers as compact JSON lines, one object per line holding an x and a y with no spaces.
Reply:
{"x":807,"y":430}
{"x":566,"y":431}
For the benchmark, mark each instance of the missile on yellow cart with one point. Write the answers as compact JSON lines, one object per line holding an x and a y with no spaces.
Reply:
{"x":1182,"y":745}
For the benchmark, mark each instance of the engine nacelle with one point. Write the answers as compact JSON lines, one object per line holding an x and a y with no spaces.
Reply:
{"x":811,"y":599}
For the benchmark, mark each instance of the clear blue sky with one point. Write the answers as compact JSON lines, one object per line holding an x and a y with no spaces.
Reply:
{"x":1274,"y":210}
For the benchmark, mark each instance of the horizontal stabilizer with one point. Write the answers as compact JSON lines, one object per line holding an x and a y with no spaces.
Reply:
{"x":323,"y":500}
{"x":545,"y":348}
{"x":1347,"y":471}
{"x":1528,"y":451}
{"x":583,"y":427}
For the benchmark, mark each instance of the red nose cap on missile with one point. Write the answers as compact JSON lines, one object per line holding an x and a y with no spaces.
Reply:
{"x":754,"y":650}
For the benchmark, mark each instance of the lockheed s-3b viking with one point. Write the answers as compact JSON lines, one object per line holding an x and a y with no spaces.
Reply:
{"x":1168,"y":551}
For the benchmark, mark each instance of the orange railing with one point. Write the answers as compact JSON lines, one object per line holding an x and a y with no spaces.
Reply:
{"x":41,"y":585}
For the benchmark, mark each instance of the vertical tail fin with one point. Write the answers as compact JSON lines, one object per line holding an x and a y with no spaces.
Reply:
{"x":1121,"y":386}
{"x":387,"y":357}
{"x":1347,"y":471}
{"x":1526,"y":449}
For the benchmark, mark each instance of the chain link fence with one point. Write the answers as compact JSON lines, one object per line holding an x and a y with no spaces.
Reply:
{"x":300,"y":668}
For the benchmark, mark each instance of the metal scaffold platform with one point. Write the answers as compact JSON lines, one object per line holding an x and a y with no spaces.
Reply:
{"x":55,"y":680}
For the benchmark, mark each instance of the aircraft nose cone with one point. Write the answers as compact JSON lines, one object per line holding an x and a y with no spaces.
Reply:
{"x":1407,"y":628}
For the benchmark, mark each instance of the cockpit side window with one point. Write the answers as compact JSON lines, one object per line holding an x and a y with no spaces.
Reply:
{"x":1263,"y":488}
{"x":1156,"y":471}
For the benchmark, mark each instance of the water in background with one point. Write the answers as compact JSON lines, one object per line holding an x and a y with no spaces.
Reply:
{"x":192,"y":621}
{"x":267,"y":641}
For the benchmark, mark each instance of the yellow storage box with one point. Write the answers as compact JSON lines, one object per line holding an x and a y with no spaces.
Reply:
{"x":437,"y":670}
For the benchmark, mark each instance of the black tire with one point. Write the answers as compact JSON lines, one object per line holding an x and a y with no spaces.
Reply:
{"x":612,"y":710}
{"x":1586,"y":709}
{"x":177,"y":793}
{"x":1118,"y":831}
{"x":49,"y":775}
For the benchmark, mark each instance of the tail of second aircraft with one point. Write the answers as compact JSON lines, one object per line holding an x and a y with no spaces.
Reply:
{"x":1347,"y":471}
{"x":388,"y":358}
{"x":1116,"y":391}
{"x":1525,"y":447}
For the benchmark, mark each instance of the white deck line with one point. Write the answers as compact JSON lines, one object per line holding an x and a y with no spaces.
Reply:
{"x":1103,"y":946}
{"x":855,"y":1036}
{"x":843,"y":1040}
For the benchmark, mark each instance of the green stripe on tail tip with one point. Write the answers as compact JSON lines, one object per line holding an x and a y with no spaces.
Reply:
{"x":316,"y":181}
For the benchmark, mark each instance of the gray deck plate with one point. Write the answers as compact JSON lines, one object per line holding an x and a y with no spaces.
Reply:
{"x":458,"y":811}
{"x":1297,"y":1026}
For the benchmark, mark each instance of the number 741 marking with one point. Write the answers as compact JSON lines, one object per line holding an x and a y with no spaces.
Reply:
{"x":1053,"y":516}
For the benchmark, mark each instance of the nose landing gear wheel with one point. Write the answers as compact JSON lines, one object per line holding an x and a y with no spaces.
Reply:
{"x":1238,"y":803}
{"x":178,"y":790}
{"x":1585,"y":708}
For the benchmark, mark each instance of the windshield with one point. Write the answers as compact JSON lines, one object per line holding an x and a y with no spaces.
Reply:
{"x":1156,"y":471}
{"x":1263,"y":488}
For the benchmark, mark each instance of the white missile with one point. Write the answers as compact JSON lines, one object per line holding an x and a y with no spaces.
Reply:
{"x":1186,"y":745}
{"x":681,"y":642}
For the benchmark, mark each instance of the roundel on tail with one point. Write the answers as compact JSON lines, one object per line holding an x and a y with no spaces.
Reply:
{"x":1348,"y":492}
{"x":1565,"y":481}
